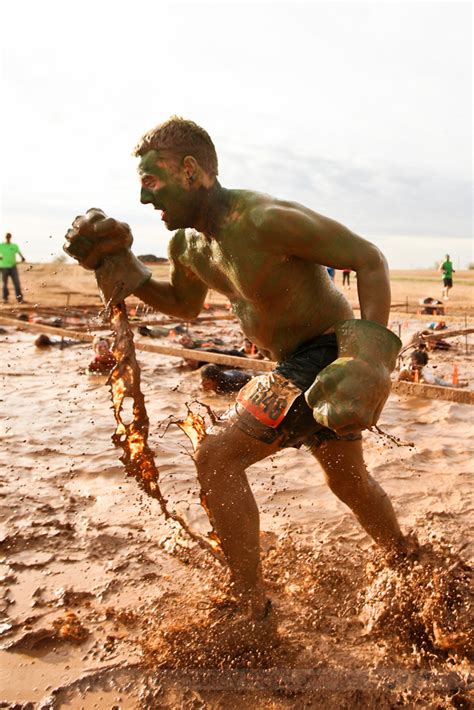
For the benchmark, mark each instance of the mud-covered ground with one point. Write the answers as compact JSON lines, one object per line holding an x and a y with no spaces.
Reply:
{"x":105,"y":605}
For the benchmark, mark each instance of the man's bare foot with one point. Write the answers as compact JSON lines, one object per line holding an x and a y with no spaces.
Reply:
{"x":260,"y":615}
{"x":407,"y":550}
{"x":252,"y":603}
{"x":237,"y":626}
{"x":256,"y":607}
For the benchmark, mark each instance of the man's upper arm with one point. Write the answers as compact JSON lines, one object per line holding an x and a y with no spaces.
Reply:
{"x":297,"y":231}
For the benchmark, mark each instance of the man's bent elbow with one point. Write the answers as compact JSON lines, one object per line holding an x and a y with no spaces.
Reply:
{"x":191,"y":311}
{"x":186,"y":309}
{"x":376,"y":261}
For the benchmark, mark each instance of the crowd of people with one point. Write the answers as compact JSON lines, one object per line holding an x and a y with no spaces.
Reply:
{"x":223,"y":379}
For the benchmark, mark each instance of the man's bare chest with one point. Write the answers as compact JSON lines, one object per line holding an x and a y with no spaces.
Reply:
{"x":237,"y":270}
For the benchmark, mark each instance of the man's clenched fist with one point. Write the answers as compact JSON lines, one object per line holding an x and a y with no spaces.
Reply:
{"x":94,"y":236}
{"x":102,"y":244}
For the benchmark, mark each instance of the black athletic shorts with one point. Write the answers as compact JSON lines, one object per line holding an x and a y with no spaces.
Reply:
{"x":447,"y":282}
{"x":299,"y":426}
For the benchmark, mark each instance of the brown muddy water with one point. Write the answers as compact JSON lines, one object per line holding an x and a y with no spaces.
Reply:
{"x":104,"y":604}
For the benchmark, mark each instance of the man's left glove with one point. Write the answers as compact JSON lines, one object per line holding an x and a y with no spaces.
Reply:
{"x":349,"y":394}
{"x":102,"y":244}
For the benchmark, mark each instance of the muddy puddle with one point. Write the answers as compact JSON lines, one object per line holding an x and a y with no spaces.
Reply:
{"x":103,"y":604}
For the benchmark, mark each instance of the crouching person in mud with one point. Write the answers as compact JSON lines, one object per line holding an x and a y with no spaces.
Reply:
{"x":268,"y":257}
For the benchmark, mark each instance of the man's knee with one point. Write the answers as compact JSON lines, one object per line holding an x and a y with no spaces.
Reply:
{"x":214,"y":454}
{"x":206,"y":456}
{"x":229,"y":450}
{"x":218,"y":465}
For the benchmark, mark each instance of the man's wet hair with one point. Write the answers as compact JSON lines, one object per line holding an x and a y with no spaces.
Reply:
{"x":212,"y":372}
{"x":419,"y":357}
{"x":181,"y":138}
{"x":43,"y":341}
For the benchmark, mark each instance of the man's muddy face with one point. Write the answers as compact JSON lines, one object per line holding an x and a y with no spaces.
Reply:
{"x":164,"y":187}
{"x":207,"y":384}
{"x":186,"y":341}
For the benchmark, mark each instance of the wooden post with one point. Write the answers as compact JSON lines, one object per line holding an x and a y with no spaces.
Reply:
{"x":455,"y":374}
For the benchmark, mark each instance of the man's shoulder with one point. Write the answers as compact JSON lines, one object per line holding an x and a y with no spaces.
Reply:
{"x":279,"y":216}
{"x":263,"y":209}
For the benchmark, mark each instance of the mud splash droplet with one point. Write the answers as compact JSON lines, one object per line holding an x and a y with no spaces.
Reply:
{"x":390,"y":437}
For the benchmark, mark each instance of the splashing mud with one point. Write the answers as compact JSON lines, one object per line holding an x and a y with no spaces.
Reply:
{"x":390,"y":437}
{"x":132,"y":437}
{"x":70,"y":627}
{"x":152,"y":628}
{"x":331,"y":617}
{"x":425,"y":600}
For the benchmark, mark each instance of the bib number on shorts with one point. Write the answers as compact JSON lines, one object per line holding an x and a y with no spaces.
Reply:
{"x":268,"y":398}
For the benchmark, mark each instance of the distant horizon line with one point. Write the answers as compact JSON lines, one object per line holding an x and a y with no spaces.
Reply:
{"x":164,"y":260}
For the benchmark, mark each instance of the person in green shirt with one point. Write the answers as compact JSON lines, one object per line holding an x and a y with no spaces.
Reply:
{"x":8,"y":252}
{"x":447,"y":269}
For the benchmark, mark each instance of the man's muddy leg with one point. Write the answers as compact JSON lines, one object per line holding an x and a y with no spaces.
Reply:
{"x":347,"y":476}
{"x":221,"y":460}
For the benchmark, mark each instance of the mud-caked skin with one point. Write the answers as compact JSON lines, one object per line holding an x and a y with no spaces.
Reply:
{"x":266,"y":255}
{"x":269,"y":258}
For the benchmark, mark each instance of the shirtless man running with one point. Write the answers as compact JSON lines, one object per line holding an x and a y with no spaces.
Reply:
{"x":269,"y":257}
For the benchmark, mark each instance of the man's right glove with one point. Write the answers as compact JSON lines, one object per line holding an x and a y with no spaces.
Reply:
{"x":349,"y":394}
{"x":102,"y":244}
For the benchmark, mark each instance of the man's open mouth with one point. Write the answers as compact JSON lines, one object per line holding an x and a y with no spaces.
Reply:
{"x":163,"y":212}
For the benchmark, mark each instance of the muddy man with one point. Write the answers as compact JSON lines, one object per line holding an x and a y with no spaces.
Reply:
{"x":268,"y":257}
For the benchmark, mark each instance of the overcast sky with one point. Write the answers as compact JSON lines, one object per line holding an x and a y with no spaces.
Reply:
{"x":361,"y":111}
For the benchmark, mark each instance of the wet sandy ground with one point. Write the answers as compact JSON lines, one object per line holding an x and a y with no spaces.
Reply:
{"x":104,"y":605}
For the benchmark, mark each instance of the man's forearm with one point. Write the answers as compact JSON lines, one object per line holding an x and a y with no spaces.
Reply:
{"x":373,"y":287}
{"x":162,"y":296}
